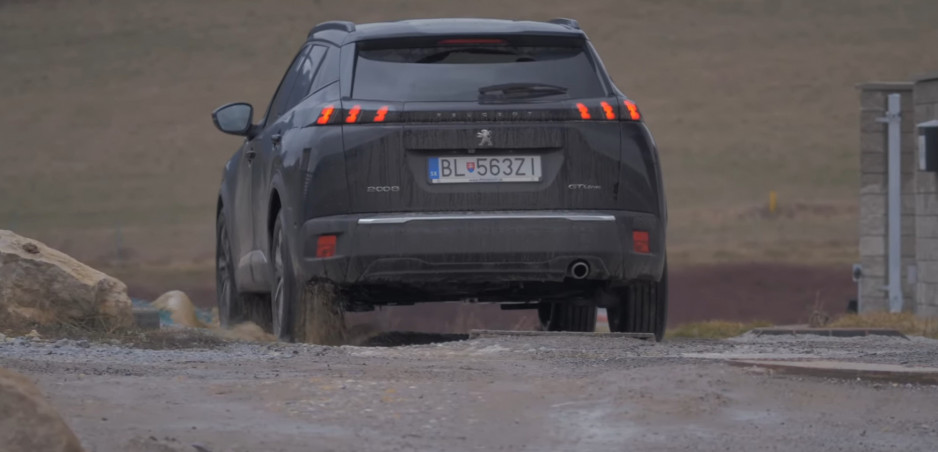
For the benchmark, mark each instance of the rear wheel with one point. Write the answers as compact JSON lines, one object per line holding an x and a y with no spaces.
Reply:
{"x":234,"y":307}
{"x":283,"y":295}
{"x":643,"y":308}
{"x":567,"y":317}
{"x":302,"y":311}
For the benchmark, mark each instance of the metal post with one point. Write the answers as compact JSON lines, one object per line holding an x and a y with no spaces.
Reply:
{"x":893,"y":121}
{"x":857,"y":278}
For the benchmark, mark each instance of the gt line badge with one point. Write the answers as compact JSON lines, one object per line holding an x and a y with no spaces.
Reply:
{"x":485,"y":137}
{"x":584,"y":187}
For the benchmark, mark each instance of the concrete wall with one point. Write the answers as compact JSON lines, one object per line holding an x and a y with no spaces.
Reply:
{"x":926,"y":207}
{"x":919,"y":199}
{"x":873,"y":201}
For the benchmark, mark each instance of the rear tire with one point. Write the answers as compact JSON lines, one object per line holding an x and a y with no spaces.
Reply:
{"x":643,"y":308}
{"x":309,"y":312}
{"x":234,"y":307}
{"x":567,"y":317}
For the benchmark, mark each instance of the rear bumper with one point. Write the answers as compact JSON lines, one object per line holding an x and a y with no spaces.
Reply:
{"x":480,"y":247}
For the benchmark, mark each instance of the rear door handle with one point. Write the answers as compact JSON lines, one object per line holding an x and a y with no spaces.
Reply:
{"x":250,"y":154}
{"x":275,"y":138}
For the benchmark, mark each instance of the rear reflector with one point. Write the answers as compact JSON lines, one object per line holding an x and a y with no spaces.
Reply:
{"x":640,"y":243}
{"x":325,"y":246}
{"x":325,"y":114}
{"x":584,"y":112}
{"x":634,"y":115}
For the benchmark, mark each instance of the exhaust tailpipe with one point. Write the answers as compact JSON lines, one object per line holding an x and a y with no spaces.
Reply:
{"x":579,"y":270}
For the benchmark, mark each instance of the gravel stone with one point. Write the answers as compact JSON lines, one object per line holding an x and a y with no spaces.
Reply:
{"x":493,"y":393}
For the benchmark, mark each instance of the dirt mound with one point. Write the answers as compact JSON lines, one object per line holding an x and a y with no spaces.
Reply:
{"x":42,"y":286}
{"x":183,"y":313}
{"x":28,"y":423}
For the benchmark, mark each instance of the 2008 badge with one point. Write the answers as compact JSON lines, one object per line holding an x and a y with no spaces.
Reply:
{"x":383,"y":188}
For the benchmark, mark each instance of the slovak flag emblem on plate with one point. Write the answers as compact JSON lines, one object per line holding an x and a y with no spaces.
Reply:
{"x":471,"y":166}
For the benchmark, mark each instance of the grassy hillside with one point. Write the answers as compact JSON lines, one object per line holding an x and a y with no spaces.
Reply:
{"x":108,"y":150}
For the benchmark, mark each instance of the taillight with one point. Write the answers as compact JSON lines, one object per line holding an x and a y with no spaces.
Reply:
{"x":381,"y":114}
{"x":631,"y":111}
{"x":607,"y":110}
{"x":353,"y":114}
{"x":358,"y":113}
{"x":325,"y":114}
{"x":373,"y":112}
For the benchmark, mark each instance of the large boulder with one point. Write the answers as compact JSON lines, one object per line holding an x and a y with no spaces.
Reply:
{"x":41,"y":285}
{"x":28,"y":423}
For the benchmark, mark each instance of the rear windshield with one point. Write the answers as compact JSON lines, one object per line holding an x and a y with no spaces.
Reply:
{"x":455,"y":72}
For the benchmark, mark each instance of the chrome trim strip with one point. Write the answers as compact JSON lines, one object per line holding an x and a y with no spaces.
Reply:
{"x":520,"y":216}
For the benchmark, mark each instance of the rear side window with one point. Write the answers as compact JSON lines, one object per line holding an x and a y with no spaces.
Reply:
{"x":278,"y":104}
{"x":305,"y":78}
{"x":455,"y":69}
{"x":328,"y":70}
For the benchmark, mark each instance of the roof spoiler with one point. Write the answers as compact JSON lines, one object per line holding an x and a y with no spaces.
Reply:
{"x":341,"y":25}
{"x":569,"y":23}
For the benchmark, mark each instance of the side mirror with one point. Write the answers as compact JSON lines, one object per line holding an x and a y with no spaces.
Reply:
{"x":235,"y":118}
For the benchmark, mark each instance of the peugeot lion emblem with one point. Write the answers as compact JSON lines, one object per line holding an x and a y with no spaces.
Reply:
{"x":485,"y":137}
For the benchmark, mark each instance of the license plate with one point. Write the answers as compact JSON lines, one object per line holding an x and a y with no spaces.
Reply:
{"x":454,"y":170}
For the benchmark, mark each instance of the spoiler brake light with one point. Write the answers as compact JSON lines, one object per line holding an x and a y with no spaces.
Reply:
{"x":471,"y":41}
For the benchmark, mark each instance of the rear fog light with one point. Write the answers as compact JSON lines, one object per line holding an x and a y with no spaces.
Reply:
{"x":325,"y":246}
{"x":640,"y":242}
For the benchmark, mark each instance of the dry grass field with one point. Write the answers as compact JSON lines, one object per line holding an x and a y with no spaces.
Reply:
{"x":109,"y":153}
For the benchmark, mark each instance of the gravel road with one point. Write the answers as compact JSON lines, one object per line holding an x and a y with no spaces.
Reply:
{"x":541,"y":393}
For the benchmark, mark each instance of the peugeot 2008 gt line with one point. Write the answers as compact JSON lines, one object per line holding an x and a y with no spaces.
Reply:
{"x":444,"y":160}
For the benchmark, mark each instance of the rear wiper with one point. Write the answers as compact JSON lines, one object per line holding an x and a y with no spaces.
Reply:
{"x":519,"y":91}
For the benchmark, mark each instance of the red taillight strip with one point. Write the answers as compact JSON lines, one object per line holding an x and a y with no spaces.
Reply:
{"x":584,"y":112}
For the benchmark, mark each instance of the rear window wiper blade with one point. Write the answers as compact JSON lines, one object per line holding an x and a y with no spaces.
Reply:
{"x":520,"y":90}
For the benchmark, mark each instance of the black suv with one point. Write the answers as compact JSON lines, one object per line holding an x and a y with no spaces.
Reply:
{"x":444,"y":160}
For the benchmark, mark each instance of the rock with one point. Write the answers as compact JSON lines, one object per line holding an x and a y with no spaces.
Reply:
{"x":28,"y":422}
{"x":182,"y":310}
{"x":33,"y":335}
{"x":41,"y":285}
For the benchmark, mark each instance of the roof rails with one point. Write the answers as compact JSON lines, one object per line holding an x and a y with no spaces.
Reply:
{"x":569,"y":23}
{"x":341,"y":25}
